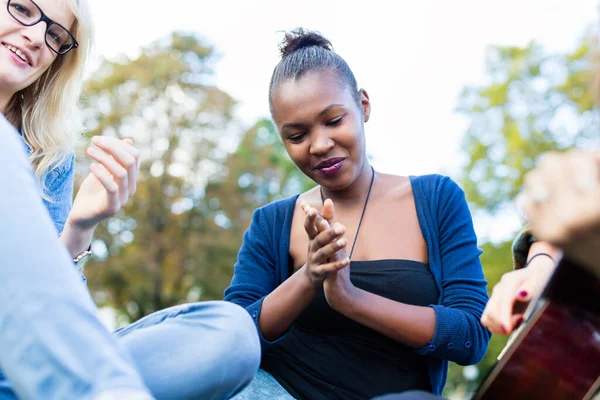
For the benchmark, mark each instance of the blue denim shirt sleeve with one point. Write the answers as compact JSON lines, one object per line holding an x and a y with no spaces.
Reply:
{"x":58,"y":188}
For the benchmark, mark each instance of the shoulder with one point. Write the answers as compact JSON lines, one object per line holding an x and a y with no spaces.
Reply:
{"x":276,"y":211}
{"x":435,"y":183}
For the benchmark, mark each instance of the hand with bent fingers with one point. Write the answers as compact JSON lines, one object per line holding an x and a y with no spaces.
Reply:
{"x":505,"y":309}
{"x":104,"y":191}
{"x":337,"y":285}
{"x":324,"y":241}
{"x":562,"y":204}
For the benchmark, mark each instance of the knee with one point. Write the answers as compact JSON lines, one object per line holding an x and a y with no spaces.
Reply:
{"x":240,"y":337}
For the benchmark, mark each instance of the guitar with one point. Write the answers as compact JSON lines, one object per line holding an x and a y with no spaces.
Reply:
{"x":555,"y":353}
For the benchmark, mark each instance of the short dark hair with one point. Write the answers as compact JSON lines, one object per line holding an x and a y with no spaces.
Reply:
{"x":303,"y":51}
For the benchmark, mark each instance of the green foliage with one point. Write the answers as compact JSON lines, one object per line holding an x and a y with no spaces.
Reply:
{"x":533,"y":103}
{"x":178,"y":237}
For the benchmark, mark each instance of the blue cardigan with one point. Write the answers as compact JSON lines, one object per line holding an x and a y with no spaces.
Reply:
{"x":445,"y":221}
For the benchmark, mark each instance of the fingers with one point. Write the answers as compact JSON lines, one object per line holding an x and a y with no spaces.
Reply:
{"x":498,"y":313}
{"x":105,"y":179}
{"x":310,"y":223}
{"x":120,"y":158}
{"x":324,"y":269}
{"x":329,"y":211}
{"x":325,"y":252}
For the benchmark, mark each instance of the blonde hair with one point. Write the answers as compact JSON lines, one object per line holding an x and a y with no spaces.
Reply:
{"x":47,"y":112}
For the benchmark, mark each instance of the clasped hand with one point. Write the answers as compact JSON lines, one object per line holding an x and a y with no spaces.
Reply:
{"x":327,"y":263}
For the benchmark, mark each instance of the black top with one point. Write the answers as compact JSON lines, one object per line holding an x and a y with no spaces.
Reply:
{"x":329,"y":356}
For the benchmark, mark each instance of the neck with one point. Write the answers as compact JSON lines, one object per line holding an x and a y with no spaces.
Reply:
{"x":356,"y":192}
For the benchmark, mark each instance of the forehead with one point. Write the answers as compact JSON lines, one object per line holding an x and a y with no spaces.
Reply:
{"x":308,"y":96}
{"x":57,"y":10}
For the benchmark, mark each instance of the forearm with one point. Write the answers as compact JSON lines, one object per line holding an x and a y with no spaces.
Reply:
{"x":76,"y":240}
{"x":281,"y":307}
{"x":405,"y":323}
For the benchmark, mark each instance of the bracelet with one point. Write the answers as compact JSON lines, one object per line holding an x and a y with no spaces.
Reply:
{"x":540,"y":254}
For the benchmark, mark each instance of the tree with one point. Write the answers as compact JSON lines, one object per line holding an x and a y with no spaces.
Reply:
{"x":178,"y":238}
{"x":534,"y":102}
{"x":183,"y":125}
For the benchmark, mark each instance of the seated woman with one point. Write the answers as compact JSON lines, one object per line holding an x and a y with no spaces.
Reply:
{"x":51,"y":344}
{"x":407,"y":298}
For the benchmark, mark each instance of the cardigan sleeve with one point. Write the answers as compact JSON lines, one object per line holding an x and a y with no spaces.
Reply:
{"x":254,"y":272}
{"x":459,"y":335}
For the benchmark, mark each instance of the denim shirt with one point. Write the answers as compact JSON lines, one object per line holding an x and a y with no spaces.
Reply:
{"x":58,"y":188}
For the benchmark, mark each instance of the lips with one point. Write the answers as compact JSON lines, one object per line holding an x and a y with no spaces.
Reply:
{"x":19,"y":53}
{"x":330,"y":166}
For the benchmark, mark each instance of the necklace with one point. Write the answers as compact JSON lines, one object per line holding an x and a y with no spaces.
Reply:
{"x":363,"y":210}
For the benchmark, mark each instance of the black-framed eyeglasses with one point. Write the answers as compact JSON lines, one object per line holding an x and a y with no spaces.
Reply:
{"x":58,"y":38}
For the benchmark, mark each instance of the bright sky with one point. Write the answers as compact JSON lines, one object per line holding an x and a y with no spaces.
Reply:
{"x":413,"y":57}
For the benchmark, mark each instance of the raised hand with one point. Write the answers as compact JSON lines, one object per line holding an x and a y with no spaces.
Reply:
{"x":112,"y":181}
{"x":324,"y":241}
{"x":337,"y":286}
{"x":104,"y":191}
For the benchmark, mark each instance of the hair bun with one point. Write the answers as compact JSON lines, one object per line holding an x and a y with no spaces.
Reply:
{"x":300,"y":38}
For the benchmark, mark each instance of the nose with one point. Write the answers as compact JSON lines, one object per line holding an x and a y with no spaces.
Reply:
{"x":35,"y":35}
{"x":321,"y":143}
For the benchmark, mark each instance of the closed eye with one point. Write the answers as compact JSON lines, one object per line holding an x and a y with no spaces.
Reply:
{"x":336,"y":121}
{"x":297,"y":138}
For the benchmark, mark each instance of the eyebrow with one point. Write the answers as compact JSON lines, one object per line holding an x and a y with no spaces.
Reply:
{"x":323,"y":112}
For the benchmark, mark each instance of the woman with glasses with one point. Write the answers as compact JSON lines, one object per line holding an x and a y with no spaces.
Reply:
{"x":42,"y":69}
{"x":52,"y":346}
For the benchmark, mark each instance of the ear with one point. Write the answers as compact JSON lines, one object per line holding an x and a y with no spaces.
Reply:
{"x":365,"y":104}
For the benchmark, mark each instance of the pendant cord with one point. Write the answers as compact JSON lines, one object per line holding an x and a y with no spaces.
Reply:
{"x":363,"y":210}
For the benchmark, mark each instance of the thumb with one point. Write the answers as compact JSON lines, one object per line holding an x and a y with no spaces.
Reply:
{"x":329,"y":211}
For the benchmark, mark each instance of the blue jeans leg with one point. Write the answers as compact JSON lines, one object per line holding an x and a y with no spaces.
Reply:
{"x":207,"y":350}
{"x":263,"y":386}
{"x":52,"y":346}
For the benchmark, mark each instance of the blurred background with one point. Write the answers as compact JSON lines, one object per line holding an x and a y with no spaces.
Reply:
{"x":474,"y":89}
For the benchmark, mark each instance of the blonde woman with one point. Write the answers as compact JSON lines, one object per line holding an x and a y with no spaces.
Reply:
{"x":51,"y":344}
{"x":39,"y":97}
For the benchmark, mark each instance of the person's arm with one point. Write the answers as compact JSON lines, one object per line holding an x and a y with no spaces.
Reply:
{"x":275,"y":307}
{"x":505,"y":310}
{"x":450,"y":330}
{"x":103,"y":192}
{"x":53,"y":346}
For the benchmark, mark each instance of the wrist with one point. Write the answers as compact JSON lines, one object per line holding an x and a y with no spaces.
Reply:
{"x":80,"y":227}
{"x":76,"y":238}
{"x":347,"y":301}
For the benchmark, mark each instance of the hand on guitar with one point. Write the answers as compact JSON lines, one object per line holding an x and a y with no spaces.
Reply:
{"x":511,"y":296}
{"x":562,"y":204}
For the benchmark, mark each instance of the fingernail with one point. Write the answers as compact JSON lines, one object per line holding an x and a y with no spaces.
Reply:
{"x":338,"y":230}
{"x":523,"y":293}
{"x":341,"y":242}
{"x":504,"y":330}
{"x":519,"y":321}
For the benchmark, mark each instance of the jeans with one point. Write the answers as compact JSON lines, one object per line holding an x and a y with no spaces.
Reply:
{"x":262,"y":387}
{"x":52,"y":346}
